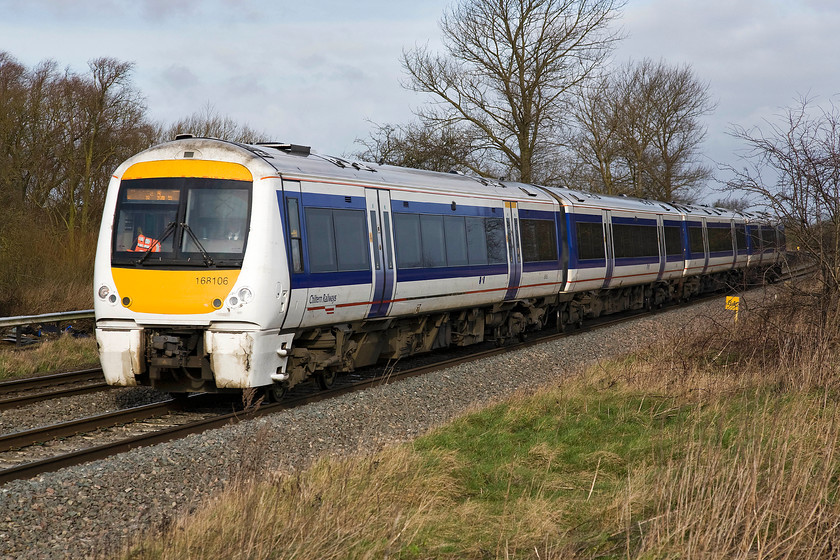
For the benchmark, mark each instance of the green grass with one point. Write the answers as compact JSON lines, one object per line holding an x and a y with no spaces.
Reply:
{"x":577,"y":462}
{"x":582,"y":472}
{"x":570,"y":453}
{"x":706,"y":449}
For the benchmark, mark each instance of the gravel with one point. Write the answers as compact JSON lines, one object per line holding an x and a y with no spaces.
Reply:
{"x":95,"y":510}
{"x":79,"y":406}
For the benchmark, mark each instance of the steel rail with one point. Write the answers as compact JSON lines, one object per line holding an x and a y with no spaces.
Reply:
{"x":17,"y":440}
{"x":93,"y":375}
{"x":50,"y":380}
{"x":28,"y":470}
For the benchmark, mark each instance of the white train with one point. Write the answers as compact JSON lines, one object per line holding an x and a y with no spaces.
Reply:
{"x":224,"y":266}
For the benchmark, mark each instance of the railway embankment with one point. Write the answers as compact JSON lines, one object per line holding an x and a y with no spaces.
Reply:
{"x":100,"y":507}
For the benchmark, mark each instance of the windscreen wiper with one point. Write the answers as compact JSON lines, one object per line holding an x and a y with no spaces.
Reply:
{"x":170,"y":227}
{"x":208,"y":261}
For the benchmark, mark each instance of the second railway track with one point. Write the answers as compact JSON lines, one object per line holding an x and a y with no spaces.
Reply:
{"x":22,"y":392}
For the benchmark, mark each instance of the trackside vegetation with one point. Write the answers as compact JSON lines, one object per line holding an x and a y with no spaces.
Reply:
{"x":64,"y":353}
{"x":721,"y":444}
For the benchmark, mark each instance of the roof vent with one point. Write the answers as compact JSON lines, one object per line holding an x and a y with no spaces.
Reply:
{"x":296,"y":149}
{"x":183,"y":136}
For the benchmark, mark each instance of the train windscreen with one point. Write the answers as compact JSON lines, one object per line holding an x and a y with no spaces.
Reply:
{"x":181,"y":222}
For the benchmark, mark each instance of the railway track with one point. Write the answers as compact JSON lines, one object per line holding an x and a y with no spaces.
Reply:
{"x":22,"y":392}
{"x":300,"y":396}
{"x":305,"y":394}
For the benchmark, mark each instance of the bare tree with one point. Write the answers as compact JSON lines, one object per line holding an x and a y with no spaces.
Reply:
{"x":597,"y":145}
{"x":207,"y":122}
{"x":680,"y":101}
{"x":794,"y":167}
{"x":61,"y":136}
{"x":507,"y":69}
{"x":640,"y":131}
{"x":101,"y":121}
{"x":13,"y":103}
{"x":443,"y":148}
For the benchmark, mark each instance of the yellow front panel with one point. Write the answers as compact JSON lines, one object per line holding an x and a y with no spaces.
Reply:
{"x":177,"y":292}
{"x":188,"y":168}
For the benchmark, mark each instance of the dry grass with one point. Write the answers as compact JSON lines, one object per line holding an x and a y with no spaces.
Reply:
{"x":762,"y":485}
{"x":718,"y":442}
{"x":360,"y":508}
{"x":64,"y":353}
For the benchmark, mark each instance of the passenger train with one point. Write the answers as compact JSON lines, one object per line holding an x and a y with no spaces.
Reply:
{"x":222,"y":266}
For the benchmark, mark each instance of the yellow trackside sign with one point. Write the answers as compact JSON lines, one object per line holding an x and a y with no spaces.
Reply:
{"x":732,"y":303}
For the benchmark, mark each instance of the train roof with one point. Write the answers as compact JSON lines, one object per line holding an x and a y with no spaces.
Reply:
{"x":293,"y":161}
{"x":297,"y":161}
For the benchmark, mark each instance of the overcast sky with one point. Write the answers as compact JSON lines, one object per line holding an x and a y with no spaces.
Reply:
{"x":314,"y":72}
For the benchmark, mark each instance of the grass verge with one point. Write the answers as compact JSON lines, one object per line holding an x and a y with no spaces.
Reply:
{"x":717,"y":445}
{"x":64,"y":353}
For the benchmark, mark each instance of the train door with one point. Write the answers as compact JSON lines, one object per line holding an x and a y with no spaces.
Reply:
{"x":705,"y":245}
{"x":514,"y":251}
{"x":292,"y":296}
{"x":663,"y":254}
{"x":609,"y":253}
{"x":734,"y":236}
{"x":379,"y":220}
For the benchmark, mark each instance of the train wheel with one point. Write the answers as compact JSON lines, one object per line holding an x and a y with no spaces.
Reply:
{"x":325,"y":379}
{"x":275,"y":392}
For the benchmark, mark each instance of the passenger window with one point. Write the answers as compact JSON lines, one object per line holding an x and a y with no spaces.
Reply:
{"x":673,"y":240}
{"x":768,"y":235}
{"x":407,"y":239}
{"x":695,"y":240}
{"x":496,"y":244}
{"x":338,"y":240}
{"x":352,"y":241}
{"x":476,"y":241}
{"x":427,"y":240}
{"x":635,"y":241}
{"x":321,"y":247}
{"x":456,"y":240}
{"x":720,"y":239}
{"x":590,"y":238}
{"x":740,"y":236}
{"x":539,"y":240}
{"x":434,"y":249}
{"x":755,"y":239}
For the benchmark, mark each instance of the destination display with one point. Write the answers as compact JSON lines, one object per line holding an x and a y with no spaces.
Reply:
{"x":153,"y":194}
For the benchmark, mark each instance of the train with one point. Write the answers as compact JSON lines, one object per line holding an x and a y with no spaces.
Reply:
{"x":222,"y":266}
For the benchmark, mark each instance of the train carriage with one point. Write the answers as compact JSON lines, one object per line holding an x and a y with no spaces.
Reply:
{"x":222,"y":266}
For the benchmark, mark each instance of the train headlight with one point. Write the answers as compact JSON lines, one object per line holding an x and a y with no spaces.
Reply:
{"x":105,"y":293}
{"x":240,"y":298}
{"x":245,"y":295}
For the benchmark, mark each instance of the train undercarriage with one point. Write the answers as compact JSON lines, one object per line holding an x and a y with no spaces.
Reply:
{"x":176,"y":358}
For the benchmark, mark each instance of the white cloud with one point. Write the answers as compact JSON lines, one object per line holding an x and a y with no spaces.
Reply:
{"x":312,"y":72}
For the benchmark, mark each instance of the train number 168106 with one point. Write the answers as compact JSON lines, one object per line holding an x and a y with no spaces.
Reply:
{"x":211,"y":280}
